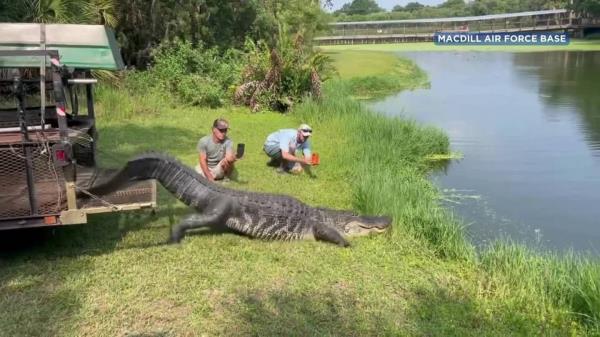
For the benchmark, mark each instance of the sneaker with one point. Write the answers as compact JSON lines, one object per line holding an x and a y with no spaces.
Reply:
{"x":297,"y":169}
{"x":274,"y":162}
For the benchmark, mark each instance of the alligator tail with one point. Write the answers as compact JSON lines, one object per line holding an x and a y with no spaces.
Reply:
{"x":177,"y":178}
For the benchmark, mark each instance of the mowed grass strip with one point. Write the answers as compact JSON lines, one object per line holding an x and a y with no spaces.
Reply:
{"x":374,"y":74}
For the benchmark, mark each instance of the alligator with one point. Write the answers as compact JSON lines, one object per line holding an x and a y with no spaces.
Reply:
{"x":258,"y":215}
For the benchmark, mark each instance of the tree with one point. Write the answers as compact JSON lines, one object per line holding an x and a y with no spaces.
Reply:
{"x":590,"y":7}
{"x":11,"y":11}
{"x":410,"y":7}
{"x":413,"y":6}
{"x":453,"y":4}
{"x":59,"y":11}
{"x":360,"y":7}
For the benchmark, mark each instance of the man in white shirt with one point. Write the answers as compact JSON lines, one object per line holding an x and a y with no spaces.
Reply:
{"x":281,"y":146}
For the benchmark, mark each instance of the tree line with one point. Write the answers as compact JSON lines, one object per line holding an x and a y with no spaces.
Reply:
{"x":205,"y":52}
{"x":141,"y":25}
{"x":359,"y":10}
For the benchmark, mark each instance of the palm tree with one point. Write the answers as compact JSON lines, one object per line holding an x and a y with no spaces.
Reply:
{"x":51,"y":11}
{"x":101,"y":12}
{"x":62,"y":11}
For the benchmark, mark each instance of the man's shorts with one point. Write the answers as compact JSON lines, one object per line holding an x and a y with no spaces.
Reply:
{"x":272,"y":151}
{"x":217,"y":171}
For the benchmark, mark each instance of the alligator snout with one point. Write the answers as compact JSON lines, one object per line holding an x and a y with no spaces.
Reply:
{"x":379,"y":222}
{"x":366,"y":224}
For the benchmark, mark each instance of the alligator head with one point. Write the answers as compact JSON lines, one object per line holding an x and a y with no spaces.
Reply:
{"x":359,"y":225}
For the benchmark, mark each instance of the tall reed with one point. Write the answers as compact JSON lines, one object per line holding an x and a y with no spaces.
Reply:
{"x":538,"y":281}
{"x":388,"y":175}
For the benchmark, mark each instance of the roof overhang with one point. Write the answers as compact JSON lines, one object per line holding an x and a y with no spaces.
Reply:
{"x":79,"y":46}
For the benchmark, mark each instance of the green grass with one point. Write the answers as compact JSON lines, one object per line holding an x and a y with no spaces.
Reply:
{"x":523,"y":278}
{"x":372,"y":74}
{"x":353,"y":63}
{"x":575,"y":45}
{"x":114,"y":277}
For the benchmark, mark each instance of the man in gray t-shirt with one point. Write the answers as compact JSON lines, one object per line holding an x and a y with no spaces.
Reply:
{"x":216,"y":157}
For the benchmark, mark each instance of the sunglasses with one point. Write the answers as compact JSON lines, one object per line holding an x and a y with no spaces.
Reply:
{"x":307,"y":130}
{"x":223,"y":130}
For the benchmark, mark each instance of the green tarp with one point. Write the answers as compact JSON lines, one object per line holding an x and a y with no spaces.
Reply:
{"x":79,"y":46}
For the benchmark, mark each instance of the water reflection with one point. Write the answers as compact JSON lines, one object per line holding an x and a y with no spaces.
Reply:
{"x":569,"y":79}
{"x":529,"y":128}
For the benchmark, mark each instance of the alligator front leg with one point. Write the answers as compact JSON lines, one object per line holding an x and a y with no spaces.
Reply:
{"x":329,"y":234}
{"x":214,"y":216}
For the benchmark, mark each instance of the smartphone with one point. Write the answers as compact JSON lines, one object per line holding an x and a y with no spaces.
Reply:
{"x":240,"y":150}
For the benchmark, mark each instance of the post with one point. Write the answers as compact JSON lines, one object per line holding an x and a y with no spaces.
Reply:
{"x":571,"y":14}
{"x":90,"y":101}
{"x":43,"y":77}
{"x":520,"y":24}
{"x":18,"y":89}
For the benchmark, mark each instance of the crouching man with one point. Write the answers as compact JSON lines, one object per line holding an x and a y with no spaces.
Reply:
{"x":216,"y":157}
{"x":281,"y":146}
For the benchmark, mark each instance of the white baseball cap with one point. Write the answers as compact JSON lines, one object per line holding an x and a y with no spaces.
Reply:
{"x":305,"y":129}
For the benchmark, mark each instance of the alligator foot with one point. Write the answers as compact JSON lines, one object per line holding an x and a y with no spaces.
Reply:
{"x":328,"y":234}
{"x":175,"y":237}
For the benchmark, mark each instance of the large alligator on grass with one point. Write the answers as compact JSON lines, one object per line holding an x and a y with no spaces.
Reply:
{"x":258,"y":215}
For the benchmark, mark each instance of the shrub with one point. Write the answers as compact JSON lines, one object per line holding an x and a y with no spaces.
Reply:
{"x":192,"y":75}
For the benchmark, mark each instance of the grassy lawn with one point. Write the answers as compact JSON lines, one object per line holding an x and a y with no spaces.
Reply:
{"x":575,"y":45}
{"x":360,"y":63}
{"x":372,"y":74}
{"x":115,"y":277}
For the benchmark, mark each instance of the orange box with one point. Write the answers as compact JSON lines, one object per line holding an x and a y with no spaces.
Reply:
{"x":315,"y":160}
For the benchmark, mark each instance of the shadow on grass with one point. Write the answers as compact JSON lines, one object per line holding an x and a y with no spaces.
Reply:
{"x":343,"y":313}
{"x":280,"y":313}
{"x":149,"y":334}
{"x":439,"y":313}
{"x":37,"y":298}
{"x":42,"y":271}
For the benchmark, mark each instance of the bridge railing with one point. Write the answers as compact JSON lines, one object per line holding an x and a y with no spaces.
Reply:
{"x":526,"y":21}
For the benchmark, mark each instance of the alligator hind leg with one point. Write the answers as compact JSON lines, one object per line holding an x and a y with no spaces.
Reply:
{"x":193,"y":221}
{"x":329,"y":234}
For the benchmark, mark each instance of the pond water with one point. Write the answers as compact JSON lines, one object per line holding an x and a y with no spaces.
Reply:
{"x":528,"y":125}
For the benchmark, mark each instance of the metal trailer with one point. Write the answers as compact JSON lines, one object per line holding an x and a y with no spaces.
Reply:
{"x":48,"y":135}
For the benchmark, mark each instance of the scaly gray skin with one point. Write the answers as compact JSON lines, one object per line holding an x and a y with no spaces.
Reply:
{"x":258,"y":215}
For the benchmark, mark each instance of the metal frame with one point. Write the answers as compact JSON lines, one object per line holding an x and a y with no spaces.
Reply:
{"x":60,"y":103}
{"x":73,"y":213}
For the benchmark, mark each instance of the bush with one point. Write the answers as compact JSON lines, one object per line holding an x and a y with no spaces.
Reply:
{"x":192,"y":75}
{"x":199,"y":90}
{"x":287,"y":72}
